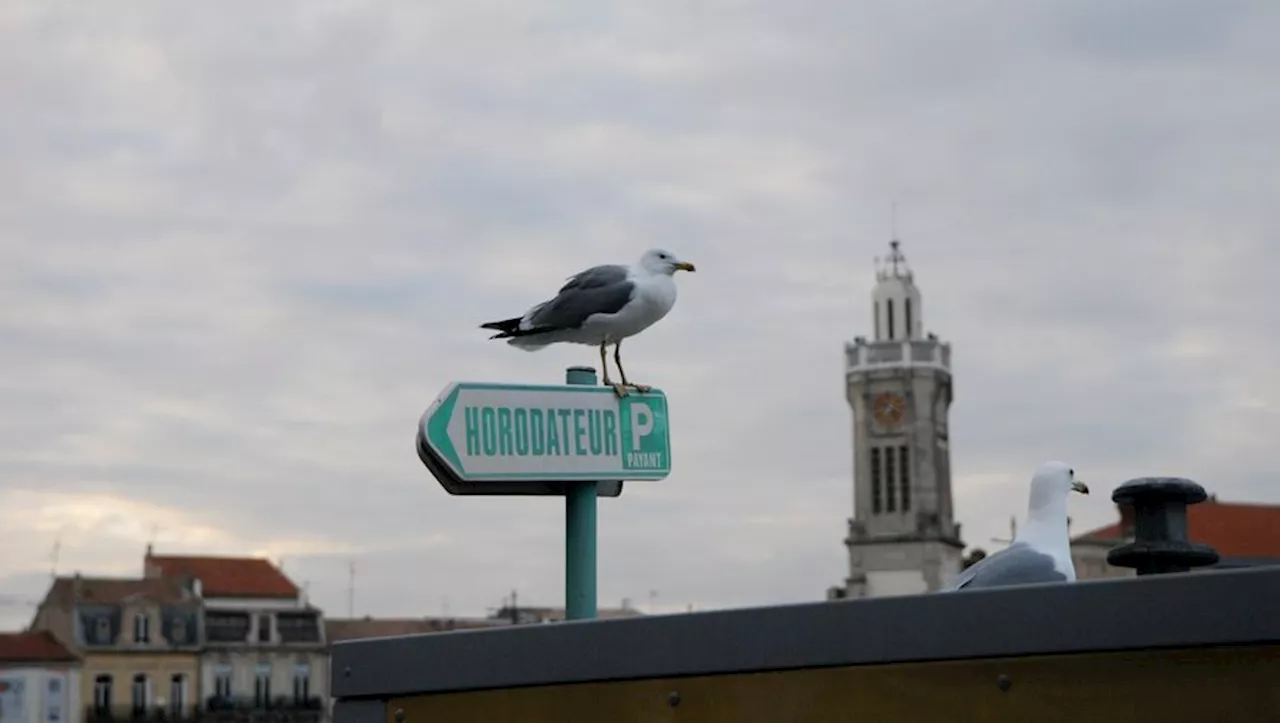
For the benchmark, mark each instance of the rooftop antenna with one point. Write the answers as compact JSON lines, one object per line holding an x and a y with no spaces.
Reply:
{"x":351,"y":589}
{"x":1013,"y":531}
{"x":53,"y":556}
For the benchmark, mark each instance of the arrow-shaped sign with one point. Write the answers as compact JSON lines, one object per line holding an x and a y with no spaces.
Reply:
{"x":483,"y":435}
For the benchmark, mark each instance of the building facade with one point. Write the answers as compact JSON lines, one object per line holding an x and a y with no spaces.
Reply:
{"x":902,"y":538}
{"x":138,"y":640}
{"x":39,"y":679}
{"x":264,"y":643}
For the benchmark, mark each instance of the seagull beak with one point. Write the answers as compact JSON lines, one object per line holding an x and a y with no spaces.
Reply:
{"x":1080,"y":487}
{"x":684,"y":266}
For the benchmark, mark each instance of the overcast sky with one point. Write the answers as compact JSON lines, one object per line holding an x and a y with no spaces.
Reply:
{"x":244,"y":245}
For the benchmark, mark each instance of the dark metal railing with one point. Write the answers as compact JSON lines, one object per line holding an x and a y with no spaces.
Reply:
{"x":285,"y":709}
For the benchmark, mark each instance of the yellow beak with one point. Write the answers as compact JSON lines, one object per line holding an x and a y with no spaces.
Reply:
{"x":685,"y":266}
{"x":1080,"y":487}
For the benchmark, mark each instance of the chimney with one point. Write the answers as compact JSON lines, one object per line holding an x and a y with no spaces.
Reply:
{"x":1126,"y":520}
{"x":197,"y":587}
{"x":77,"y":589}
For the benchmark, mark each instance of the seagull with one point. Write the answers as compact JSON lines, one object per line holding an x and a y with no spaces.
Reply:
{"x":1041,"y":551}
{"x":599,"y":306}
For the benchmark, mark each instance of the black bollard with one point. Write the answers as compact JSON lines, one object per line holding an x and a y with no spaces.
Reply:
{"x":1160,"y":542}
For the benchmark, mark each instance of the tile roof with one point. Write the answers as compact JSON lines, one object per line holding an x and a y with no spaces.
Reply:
{"x":33,"y":647}
{"x":1234,"y":529}
{"x":339,"y":629}
{"x":113,"y":590}
{"x":225,"y":576}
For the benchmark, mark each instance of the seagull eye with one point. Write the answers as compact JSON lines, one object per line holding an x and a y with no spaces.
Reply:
{"x":1071,"y":472}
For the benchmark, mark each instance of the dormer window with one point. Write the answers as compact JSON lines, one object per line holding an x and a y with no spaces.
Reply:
{"x":102,"y":631}
{"x":141,"y":628}
{"x":178,"y":632}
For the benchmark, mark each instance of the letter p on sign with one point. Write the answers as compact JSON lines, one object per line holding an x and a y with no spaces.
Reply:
{"x":641,"y":423}
{"x":644,"y":431}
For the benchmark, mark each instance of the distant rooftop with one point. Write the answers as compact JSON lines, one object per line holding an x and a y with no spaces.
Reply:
{"x":227,"y":577}
{"x":339,"y":629}
{"x":33,"y":647}
{"x":1234,"y":529}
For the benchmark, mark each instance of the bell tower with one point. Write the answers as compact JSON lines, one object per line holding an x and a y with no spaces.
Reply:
{"x":902,"y":538}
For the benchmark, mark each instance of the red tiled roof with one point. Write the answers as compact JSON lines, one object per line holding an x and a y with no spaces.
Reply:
{"x":112,"y":590}
{"x":1233,"y":529}
{"x":225,"y":576}
{"x":35,"y":647}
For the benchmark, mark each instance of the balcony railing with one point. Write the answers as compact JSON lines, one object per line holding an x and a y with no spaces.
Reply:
{"x":276,"y":703}
{"x":863,"y":355}
{"x":280,"y":708}
{"x":146,"y":714}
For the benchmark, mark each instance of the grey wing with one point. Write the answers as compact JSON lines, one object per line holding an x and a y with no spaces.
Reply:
{"x":1017,"y":564}
{"x":595,"y":276}
{"x":597,"y":290}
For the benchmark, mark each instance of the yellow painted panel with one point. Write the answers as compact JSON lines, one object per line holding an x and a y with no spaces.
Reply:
{"x":1222,"y":685}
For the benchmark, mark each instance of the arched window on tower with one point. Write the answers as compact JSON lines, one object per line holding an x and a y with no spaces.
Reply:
{"x":908,"y":312}
{"x":876,"y":489}
{"x":889,"y":488}
{"x":889,"y":316}
{"x":904,"y":474}
{"x":876,"y":315}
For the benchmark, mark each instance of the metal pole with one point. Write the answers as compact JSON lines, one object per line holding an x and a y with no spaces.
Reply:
{"x":580,"y":531}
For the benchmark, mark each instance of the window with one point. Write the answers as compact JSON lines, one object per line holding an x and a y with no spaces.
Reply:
{"x":53,"y":701}
{"x":890,"y":498}
{"x":907,"y":308}
{"x":301,"y":682}
{"x":875,"y":313}
{"x":141,"y":628}
{"x":177,"y":694}
{"x":889,"y":316}
{"x":140,"y":690}
{"x":262,"y":685}
{"x":264,"y":628}
{"x":875,"y":480}
{"x":102,"y":631}
{"x":222,"y":680}
{"x":226,"y":627}
{"x":178,"y":632}
{"x":297,"y":627}
{"x":102,"y":694}
{"x":904,"y":474}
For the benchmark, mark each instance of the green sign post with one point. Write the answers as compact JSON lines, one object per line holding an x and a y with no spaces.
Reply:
{"x":579,"y":440}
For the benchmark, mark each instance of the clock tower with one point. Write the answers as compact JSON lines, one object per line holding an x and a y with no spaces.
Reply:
{"x":902,"y":538}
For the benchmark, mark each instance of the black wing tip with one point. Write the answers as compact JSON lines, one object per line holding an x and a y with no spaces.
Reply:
{"x":509,"y":328}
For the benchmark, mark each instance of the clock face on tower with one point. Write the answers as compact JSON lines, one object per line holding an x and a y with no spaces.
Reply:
{"x":889,"y":409}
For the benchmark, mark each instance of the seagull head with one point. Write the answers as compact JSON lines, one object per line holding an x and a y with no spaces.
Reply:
{"x":658,"y":261}
{"x":1055,"y":479}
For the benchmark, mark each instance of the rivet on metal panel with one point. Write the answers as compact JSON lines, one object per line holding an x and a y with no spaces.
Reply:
{"x":1003,"y":682}
{"x":399,"y":715}
{"x":673,"y":699}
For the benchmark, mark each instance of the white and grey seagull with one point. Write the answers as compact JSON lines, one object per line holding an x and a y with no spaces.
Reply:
{"x":1041,"y":552}
{"x":600,"y":306}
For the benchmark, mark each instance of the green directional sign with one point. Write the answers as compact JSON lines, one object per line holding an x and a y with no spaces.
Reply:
{"x":520,"y":433}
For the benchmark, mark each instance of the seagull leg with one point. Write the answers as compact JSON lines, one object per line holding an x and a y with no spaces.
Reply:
{"x":617,"y":357}
{"x":619,"y":389}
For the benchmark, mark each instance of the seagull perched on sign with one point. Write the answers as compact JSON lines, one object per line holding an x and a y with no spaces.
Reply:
{"x":1041,"y":552}
{"x":600,"y":306}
